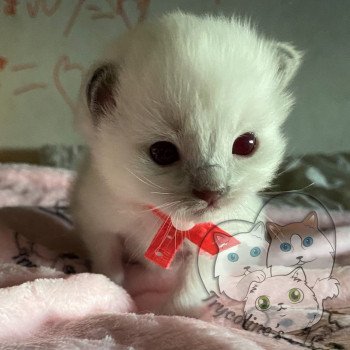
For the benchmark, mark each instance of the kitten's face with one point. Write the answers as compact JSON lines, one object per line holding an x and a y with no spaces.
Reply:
{"x":299,"y":244}
{"x":246,"y":257}
{"x":186,"y":94}
{"x":284,"y":303}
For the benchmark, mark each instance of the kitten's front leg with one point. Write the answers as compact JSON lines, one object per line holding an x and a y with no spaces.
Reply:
{"x":187,"y":299}
{"x":236,"y":288}
{"x":106,"y":255}
{"x":243,"y":285}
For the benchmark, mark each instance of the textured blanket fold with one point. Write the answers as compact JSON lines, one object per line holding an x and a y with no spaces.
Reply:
{"x":25,"y":308}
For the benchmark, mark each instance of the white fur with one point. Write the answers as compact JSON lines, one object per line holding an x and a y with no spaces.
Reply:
{"x":198,"y":82}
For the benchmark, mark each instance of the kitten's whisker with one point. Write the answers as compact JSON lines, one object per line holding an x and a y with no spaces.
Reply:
{"x":185,"y":234}
{"x":289,"y":191}
{"x":176,"y":224}
{"x":179,"y":216}
{"x":143,"y":181}
{"x":146,"y":178}
{"x":290,"y":166}
{"x":165,"y":193}
{"x":162,"y":206}
{"x":165,"y":205}
{"x":177,"y":219}
{"x":249,"y":208}
{"x":149,"y":183}
{"x":268,"y":218}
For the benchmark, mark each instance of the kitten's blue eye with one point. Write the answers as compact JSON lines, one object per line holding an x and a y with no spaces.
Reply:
{"x":308,"y":241}
{"x":255,"y":252}
{"x":233,"y":257}
{"x":285,"y":247}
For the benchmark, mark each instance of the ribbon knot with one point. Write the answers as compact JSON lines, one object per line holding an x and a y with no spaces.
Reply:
{"x":169,"y":239}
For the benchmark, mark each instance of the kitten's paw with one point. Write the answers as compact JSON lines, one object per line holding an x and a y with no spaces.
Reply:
{"x":326,"y":288}
{"x":333,"y":288}
{"x":257,"y":276}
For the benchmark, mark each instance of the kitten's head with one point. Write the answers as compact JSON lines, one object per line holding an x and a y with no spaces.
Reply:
{"x":187,"y":112}
{"x":299,"y":244}
{"x":248,"y":256}
{"x":284,"y":303}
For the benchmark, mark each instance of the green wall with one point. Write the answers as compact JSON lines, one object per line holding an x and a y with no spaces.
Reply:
{"x":43,"y":54}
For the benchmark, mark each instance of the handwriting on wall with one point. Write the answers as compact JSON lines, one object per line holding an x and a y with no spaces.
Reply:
{"x":109,"y":9}
{"x":68,"y":12}
{"x":62,"y":66}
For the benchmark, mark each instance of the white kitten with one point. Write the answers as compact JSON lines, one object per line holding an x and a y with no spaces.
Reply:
{"x":164,"y":117}
{"x":237,"y":267}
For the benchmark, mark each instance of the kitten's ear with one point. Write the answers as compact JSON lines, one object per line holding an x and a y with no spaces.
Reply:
{"x":289,"y":60}
{"x":221,"y":240}
{"x":259,"y":230}
{"x":273,"y":229}
{"x":298,"y":274}
{"x":311,"y":220}
{"x":101,"y":91}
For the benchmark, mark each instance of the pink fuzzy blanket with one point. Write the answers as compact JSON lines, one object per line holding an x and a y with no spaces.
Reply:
{"x":49,"y":300}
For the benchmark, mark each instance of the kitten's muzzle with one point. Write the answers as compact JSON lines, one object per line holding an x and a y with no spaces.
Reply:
{"x":209,"y":196}
{"x":208,"y":183}
{"x":281,"y":307}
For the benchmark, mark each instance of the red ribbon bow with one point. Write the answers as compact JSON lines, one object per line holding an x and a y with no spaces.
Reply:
{"x":168,"y":240}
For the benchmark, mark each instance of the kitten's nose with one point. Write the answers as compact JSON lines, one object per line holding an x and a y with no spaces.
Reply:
{"x":207,"y":195}
{"x":299,"y":257}
{"x":247,"y":268}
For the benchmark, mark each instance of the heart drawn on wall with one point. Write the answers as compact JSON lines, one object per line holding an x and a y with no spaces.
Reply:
{"x":62,"y":70}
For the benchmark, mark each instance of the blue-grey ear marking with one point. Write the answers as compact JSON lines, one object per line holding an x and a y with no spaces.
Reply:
{"x":100,"y":91}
